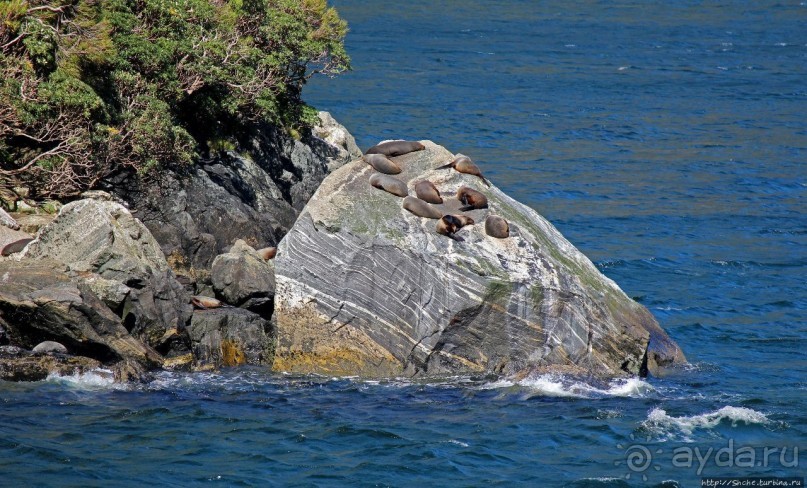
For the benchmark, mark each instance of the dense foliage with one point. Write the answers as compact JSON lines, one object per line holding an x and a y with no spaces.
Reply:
{"x":93,"y":87}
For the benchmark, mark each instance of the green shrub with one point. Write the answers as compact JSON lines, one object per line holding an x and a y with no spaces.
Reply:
{"x":94,"y":87}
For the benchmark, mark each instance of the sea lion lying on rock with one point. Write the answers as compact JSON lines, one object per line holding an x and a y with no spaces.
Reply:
{"x":421,"y":208}
{"x":380,"y":163}
{"x":448,"y":225}
{"x":47,"y":347}
{"x":389,"y":184}
{"x":496,"y":226}
{"x":463,"y":164}
{"x":267,"y":253}
{"x":14,"y":247}
{"x":426,"y":191}
{"x":396,"y":148}
{"x":203,"y":303}
{"x":471,"y":199}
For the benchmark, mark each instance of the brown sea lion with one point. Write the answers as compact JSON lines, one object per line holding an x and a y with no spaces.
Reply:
{"x":267,"y":253}
{"x":380,"y":163}
{"x":203,"y":303}
{"x":426,"y":191}
{"x":389,"y":184}
{"x":396,"y":148}
{"x":496,"y":226}
{"x":14,"y":247}
{"x":463,"y":164}
{"x":471,"y":198}
{"x":450,"y":224}
{"x":464,"y":220}
{"x":421,"y":208}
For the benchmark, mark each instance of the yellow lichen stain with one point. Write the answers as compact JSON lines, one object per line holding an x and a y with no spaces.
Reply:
{"x":340,"y":362}
{"x":178,"y":361}
{"x":231,"y":354}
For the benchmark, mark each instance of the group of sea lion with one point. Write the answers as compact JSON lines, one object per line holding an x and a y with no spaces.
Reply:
{"x":427,"y":195}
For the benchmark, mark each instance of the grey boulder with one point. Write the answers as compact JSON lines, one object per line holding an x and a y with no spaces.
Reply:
{"x":117,"y":257}
{"x":243,"y":278}
{"x":363,"y":287}
{"x":229,"y":337}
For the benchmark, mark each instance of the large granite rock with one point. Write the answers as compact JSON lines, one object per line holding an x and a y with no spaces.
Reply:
{"x":254,"y":194}
{"x":115,"y":256}
{"x":229,"y":337}
{"x":365,"y":287}
{"x":244,"y":279}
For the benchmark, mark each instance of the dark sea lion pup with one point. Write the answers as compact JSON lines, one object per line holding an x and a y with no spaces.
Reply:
{"x":471,"y":198}
{"x":450,"y":224}
{"x":389,"y":184}
{"x":496,"y":226}
{"x":380,"y":163}
{"x":15,"y":247}
{"x":421,"y":208}
{"x":463,"y":164}
{"x":396,"y":148}
{"x":426,"y":191}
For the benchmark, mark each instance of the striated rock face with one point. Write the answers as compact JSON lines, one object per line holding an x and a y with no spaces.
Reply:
{"x":254,"y":197}
{"x":365,"y":287}
{"x":115,"y":257}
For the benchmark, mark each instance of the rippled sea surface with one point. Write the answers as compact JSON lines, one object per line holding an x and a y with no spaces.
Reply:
{"x":667,"y":141}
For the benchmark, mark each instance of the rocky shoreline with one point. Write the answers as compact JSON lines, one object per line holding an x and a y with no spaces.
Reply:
{"x":359,"y":286}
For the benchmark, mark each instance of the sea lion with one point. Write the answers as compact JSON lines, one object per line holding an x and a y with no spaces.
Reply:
{"x":426,"y":191}
{"x":267,"y":253}
{"x":380,"y":163}
{"x":471,"y":198}
{"x":396,"y":148}
{"x":47,"y":347}
{"x":203,"y":303}
{"x":421,"y":208}
{"x":448,"y":225}
{"x":464,"y":220}
{"x":496,"y":226}
{"x":463,"y":164}
{"x":389,"y":184}
{"x":15,"y":247}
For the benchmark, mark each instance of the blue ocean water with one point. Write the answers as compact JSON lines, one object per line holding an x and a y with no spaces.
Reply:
{"x":667,"y":141}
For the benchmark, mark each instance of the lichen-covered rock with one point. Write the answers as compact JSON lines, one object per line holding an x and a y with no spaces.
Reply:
{"x":102,"y":238}
{"x":365,"y":287}
{"x":229,"y":337}
{"x":39,"y":302}
{"x":243,"y":278}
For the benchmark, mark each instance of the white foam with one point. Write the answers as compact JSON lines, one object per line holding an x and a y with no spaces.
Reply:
{"x":96,"y":378}
{"x":552,"y":385}
{"x":459,"y":443}
{"x":660,"y":422}
{"x":557,"y":385}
